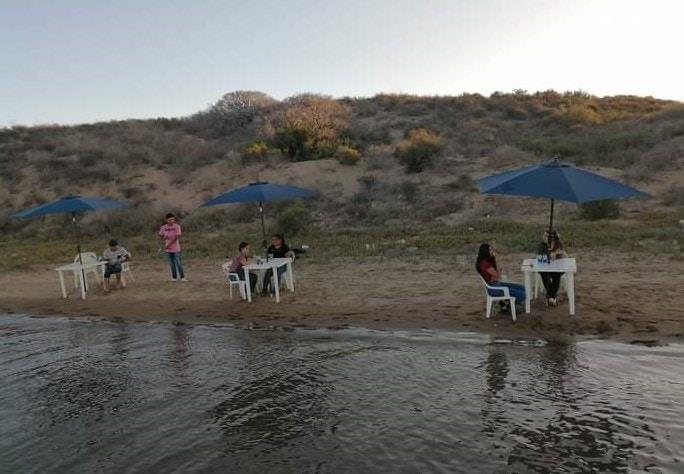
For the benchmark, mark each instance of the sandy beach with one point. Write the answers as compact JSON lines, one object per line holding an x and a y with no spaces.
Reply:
{"x":624,"y":297}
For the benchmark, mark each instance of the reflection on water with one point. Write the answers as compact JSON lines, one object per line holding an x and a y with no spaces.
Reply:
{"x":109,"y":397}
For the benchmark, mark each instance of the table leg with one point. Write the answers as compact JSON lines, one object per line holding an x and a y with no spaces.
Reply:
{"x":83,"y":284}
{"x":290,"y":277}
{"x":61,"y":283}
{"x":570,"y":282}
{"x":276,"y":283}
{"x":528,"y":291}
{"x":248,"y":287}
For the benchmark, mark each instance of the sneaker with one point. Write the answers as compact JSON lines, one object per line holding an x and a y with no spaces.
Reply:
{"x":173,"y":279}
{"x":183,"y":279}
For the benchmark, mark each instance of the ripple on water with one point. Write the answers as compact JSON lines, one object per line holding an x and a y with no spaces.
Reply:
{"x":105,"y":396}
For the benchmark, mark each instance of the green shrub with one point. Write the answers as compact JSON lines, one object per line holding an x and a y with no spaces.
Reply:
{"x":417,"y":151}
{"x":596,"y":210}
{"x":292,"y":142}
{"x":347,"y":155}
{"x":255,"y":151}
{"x":294,"y":219}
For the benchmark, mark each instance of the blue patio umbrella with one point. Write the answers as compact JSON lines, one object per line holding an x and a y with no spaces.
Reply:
{"x":73,"y":205}
{"x":556,"y":180}
{"x":260,"y":192}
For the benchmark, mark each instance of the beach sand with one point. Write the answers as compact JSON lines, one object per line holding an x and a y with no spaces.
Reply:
{"x":633,"y":298}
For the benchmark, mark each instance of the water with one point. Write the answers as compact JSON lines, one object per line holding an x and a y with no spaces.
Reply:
{"x":81,"y":396}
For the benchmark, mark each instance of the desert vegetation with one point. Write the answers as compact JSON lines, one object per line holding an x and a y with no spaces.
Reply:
{"x":391,"y":161}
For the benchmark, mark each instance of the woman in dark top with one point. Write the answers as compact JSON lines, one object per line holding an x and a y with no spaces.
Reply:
{"x":277,"y":249}
{"x":487,"y":267}
{"x":551,"y":280}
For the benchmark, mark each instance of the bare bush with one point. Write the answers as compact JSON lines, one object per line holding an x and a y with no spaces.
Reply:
{"x":417,"y":151}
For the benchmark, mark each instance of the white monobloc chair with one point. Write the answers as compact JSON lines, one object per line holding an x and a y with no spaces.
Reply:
{"x":233,"y":279}
{"x":87,"y":258}
{"x":126,"y":268}
{"x":504,"y":296}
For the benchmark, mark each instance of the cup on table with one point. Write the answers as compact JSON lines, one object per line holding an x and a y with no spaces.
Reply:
{"x":270,"y":256}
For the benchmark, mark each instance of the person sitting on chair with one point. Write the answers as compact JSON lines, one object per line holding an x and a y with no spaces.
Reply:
{"x":239,"y":261}
{"x":553,"y":247}
{"x":277,"y":249}
{"x":115,"y":255}
{"x":487,"y":267}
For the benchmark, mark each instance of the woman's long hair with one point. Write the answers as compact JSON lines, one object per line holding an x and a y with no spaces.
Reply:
{"x":484,"y":254}
{"x":280,"y":237}
{"x":556,"y":243}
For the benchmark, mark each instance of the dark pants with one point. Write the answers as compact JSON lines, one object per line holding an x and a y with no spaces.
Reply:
{"x":269,"y":276}
{"x":176,"y":266}
{"x":252,"y":279}
{"x":551,"y":282}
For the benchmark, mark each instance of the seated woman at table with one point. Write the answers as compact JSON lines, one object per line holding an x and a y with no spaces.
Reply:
{"x":554,"y":249}
{"x":487,"y":267}
{"x":239,"y":261}
{"x":277,"y":249}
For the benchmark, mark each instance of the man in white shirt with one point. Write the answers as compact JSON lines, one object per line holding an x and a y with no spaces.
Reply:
{"x":115,"y":255}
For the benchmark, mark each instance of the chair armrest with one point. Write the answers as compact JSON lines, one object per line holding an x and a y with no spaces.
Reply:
{"x":502,"y":289}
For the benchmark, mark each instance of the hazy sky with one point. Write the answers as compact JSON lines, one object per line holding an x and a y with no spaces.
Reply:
{"x":71,"y":61}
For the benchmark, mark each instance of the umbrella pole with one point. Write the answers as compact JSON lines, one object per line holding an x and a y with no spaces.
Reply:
{"x":78,"y":248}
{"x":263,"y":225}
{"x":551,"y":222}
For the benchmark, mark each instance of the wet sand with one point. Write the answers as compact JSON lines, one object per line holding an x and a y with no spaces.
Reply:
{"x":633,"y":298}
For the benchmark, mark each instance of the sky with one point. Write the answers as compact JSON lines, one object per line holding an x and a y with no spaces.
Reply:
{"x":76,"y":61}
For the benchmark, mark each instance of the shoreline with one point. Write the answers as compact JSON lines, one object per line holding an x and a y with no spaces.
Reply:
{"x":384,"y":294}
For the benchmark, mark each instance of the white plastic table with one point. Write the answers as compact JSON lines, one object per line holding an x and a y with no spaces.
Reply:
{"x":562,"y":265}
{"x":273,"y":264}
{"x":78,"y":271}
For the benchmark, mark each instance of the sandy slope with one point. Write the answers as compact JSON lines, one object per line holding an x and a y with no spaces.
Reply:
{"x":631,"y":298}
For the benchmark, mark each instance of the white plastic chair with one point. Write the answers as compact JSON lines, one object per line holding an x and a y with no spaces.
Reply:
{"x":126,"y":268}
{"x":233,"y":279}
{"x":505,"y":296}
{"x":87,"y":258}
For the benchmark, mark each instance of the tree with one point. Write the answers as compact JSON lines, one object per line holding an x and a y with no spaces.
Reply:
{"x":310,"y":127}
{"x":239,"y":108}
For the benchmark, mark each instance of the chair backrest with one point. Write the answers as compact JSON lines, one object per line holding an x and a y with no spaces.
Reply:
{"x":484,"y":282}
{"x":225,"y":268}
{"x":493,"y":290}
{"x":87,"y":257}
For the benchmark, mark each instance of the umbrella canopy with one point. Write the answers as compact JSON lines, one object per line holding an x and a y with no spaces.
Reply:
{"x":71,"y":205}
{"x":556,"y":180}
{"x":261,"y":192}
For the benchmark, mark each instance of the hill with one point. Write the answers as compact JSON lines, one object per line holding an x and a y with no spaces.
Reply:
{"x":384,"y":161}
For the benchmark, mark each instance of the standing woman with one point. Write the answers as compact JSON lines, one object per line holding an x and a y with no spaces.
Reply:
{"x":170,"y":234}
{"x":551,"y":280}
{"x":487,"y":267}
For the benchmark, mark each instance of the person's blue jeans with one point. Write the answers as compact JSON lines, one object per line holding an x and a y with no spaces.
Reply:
{"x":176,"y":266}
{"x":514,"y":289}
